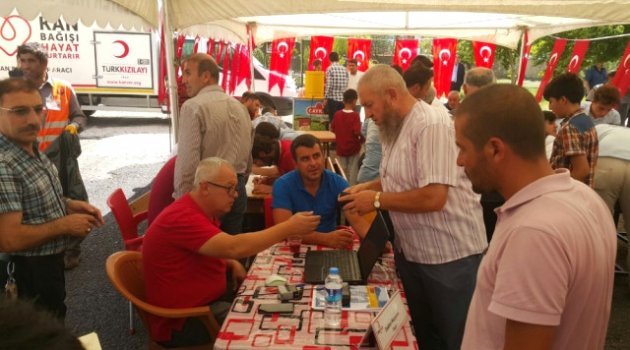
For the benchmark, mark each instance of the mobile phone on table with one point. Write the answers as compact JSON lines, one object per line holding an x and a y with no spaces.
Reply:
{"x":276,"y":308}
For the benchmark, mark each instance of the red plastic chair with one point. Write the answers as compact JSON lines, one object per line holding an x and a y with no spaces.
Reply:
{"x":127,"y":221}
{"x":128,"y":225}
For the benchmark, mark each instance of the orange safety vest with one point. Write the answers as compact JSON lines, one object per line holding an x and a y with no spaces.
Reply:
{"x":56,"y":120}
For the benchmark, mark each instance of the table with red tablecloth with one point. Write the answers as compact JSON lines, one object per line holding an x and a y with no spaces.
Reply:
{"x":247,"y":328}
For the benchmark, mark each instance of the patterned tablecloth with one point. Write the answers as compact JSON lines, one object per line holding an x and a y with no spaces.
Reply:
{"x":246,"y":328}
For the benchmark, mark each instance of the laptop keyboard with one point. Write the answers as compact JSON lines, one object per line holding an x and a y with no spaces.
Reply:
{"x":348,"y":266}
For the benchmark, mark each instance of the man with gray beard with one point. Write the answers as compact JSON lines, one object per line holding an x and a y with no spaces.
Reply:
{"x":439,"y":232}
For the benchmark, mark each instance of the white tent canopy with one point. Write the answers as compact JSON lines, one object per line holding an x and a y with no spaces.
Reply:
{"x":500,"y":22}
{"x":101,"y":12}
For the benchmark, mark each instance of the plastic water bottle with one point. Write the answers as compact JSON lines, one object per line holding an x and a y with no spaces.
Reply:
{"x":333,"y":285}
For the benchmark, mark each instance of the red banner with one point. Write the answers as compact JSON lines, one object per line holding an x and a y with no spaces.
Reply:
{"x":406,"y":50}
{"x":220,"y":51}
{"x":210,"y":48}
{"x":577,"y":57}
{"x":444,"y":53}
{"x":359,"y":49}
{"x":556,"y":52}
{"x":321,"y":46}
{"x":524,"y":59}
{"x":280,"y":62}
{"x":484,"y":54}
{"x":622,"y":77}
{"x":245,"y":69}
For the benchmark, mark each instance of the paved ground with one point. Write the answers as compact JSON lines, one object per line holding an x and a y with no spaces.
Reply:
{"x":127,"y":153}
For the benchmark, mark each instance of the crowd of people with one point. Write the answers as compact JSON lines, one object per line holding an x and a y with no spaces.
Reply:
{"x":503,"y":228}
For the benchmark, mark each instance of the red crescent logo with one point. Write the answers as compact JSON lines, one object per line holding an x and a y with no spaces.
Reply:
{"x":14,"y":31}
{"x":125,"y":48}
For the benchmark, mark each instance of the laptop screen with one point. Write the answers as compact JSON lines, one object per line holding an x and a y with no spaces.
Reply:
{"x":372,"y":246}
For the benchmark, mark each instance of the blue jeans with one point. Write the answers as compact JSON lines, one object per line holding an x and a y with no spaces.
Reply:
{"x":232,"y":222}
{"x":438,"y":297}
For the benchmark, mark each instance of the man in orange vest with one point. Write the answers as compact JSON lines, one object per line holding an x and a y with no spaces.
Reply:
{"x":64,"y":114}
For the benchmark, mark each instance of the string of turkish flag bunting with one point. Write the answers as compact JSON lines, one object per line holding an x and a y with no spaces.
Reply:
{"x":444,"y":54}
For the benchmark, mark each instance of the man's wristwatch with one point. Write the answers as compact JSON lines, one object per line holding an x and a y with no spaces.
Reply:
{"x":377,"y":202}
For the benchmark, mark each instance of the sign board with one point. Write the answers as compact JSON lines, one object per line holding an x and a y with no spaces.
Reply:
{"x":308,"y":114}
{"x":123,"y":60}
{"x":388,"y":323}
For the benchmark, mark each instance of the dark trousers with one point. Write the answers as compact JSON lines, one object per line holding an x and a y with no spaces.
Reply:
{"x":232,"y":222}
{"x":332,"y":106}
{"x":42,"y":280}
{"x":438,"y":297}
{"x":194,"y":332}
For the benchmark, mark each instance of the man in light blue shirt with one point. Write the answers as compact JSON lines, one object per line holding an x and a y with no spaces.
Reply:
{"x":372,"y":161}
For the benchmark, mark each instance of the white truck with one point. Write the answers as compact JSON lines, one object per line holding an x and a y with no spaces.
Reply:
{"x":110,"y":69}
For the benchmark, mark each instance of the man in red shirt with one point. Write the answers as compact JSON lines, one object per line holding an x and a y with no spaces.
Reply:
{"x":186,"y":255}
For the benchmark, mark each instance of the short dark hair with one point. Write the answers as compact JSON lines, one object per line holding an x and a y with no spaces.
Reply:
{"x":351,"y":60}
{"x":248,"y":95}
{"x":350,"y":95}
{"x":507,"y":112}
{"x":12,"y":85}
{"x":422,"y":59}
{"x":333,"y":57}
{"x":567,"y":85}
{"x":317,"y":62}
{"x":24,"y":327}
{"x":304,"y":140}
{"x":549,"y":116}
{"x":205,"y":63}
{"x":34,"y":49}
{"x":264,"y":143}
{"x":417,"y":74}
{"x":267,"y":129}
{"x":607,"y":94}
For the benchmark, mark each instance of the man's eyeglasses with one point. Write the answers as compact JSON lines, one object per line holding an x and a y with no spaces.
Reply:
{"x":23,"y":111}
{"x":231,"y":190}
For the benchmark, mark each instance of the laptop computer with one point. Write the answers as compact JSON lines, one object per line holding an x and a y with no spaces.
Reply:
{"x":354,"y":267}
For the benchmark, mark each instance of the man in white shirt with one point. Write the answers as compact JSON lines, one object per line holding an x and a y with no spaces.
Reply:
{"x":439,"y":232}
{"x":602,"y":108}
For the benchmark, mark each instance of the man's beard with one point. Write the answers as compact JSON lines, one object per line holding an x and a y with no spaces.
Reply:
{"x":390,"y":128}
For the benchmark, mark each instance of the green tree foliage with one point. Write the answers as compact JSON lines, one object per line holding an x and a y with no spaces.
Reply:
{"x":608,"y":51}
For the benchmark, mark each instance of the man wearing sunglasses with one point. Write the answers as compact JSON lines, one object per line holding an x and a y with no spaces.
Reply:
{"x":57,"y":136}
{"x":186,"y":255}
{"x":36,"y":221}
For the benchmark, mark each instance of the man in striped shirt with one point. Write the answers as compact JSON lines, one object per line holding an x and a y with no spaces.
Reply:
{"x":438,"y":224}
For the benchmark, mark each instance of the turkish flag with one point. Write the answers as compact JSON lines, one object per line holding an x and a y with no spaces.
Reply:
{"x":359,"y":49}
{"x":210,"y":49}
{"x":622,"y":77}
{"x":245,"y":69}
{"x":162,"y":71}
{"x":444,"y":53}
{"x":236,"y":57}
{"x":281,"y":51}
{"x":321,"y":46}
{"x":180,"y":46}
{"x":406,"y":50}
{"x":484,"y":54}
{"x":220,"y":51}
{"x":524,"y":59}
{"x":196,"y":46}
{"x":577,"y":57}
{"x":556,"y":52}
{"x":226,"y":68}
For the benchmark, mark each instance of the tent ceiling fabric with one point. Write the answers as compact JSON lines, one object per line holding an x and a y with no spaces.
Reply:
{"x":102,"y":12}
